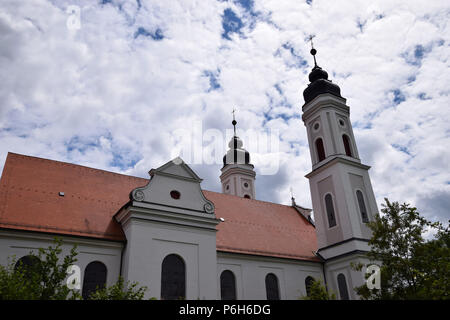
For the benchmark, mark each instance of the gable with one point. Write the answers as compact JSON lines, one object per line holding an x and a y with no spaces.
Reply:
{"x":174,"y":178}
{"x":177,"y":168}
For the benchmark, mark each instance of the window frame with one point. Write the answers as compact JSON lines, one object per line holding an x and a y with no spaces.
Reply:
{"x":221,"y":284}
{"x":83,"y":293}
{"x":359,"y":207}
{"x":308,"y":282}
{"x":334,"y":210}
{"x":277,"y":286}
{"x":28,"y":263}
{"x":317,"y":153}
{"x":165,"y":277}
{"x":346,"y":286}
{"x":346,"y":141}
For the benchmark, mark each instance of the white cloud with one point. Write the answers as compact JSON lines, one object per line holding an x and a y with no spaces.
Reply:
{"x":110,"y":97}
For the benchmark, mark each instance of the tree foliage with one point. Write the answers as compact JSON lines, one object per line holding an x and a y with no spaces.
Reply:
{"x":120,"y":291}
{"x":44,"y":276}
{"x":43,"y":279}
{"x":411,"y":267}
{"x":317,"y":291}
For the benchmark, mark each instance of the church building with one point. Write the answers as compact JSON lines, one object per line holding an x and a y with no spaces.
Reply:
{"x":183,"y":242}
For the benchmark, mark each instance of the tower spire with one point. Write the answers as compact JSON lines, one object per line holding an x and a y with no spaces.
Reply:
{"x":313,"y":51}
{"x":319,"y":80}
{"x":234,"y":122}
{"x":238,"y":174}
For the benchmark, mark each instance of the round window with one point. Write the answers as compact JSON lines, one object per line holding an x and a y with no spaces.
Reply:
{"x":175,"y":194}
{"x":245,"y":185}
{"x":341,"y":123}
{"x":316,"y":126}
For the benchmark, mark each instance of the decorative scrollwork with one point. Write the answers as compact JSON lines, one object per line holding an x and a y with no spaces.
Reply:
{"x":138,"y":195}
{"x":209,"y":207}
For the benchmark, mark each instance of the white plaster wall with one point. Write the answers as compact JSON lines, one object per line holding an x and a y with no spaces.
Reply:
{"x":234,"y":176}
{"x":250,"y":273}
{"x":353,"y":278}
{"x":21,"y":243}
{"x":345,"y":202}
{"x":153,"y":241}
{"x":150,"y":242}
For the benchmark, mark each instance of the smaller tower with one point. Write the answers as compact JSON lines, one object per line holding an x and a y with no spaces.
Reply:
{"x":238,"y":176}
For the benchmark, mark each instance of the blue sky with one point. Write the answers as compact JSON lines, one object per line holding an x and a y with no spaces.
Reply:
{"x":111,"y":94}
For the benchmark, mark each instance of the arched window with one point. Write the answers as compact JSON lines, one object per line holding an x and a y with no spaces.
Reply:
{"x":342,"y":284}
{"x":308,"y":282}
{"x":94,"y":278}
{"x":173,"y":278}
{"x":27,"y":265}
{"x":330,"y":210}
{"x":320,"y":149}
{"x":227,"y":285}
{"x":247,"y":196}
{"x":362,"y":206}
{"x":348,"y":149}
{"x":272,"y":290}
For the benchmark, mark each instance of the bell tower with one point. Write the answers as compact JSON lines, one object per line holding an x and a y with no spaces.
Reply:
{"x":341,"y":191}
{"x":238,"y":176}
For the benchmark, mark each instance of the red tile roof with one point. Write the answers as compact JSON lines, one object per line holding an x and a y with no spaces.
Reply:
{"x":30,"y":200}
{"x":262,"y":228}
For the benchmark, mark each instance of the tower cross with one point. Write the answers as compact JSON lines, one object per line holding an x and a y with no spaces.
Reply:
{"x":234,"y":121}
{"x":311,"y":37}
{"x":313,"y":51}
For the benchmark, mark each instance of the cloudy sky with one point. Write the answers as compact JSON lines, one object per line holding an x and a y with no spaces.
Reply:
{"x":112,"y":89}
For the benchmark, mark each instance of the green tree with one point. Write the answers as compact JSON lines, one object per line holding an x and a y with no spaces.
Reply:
{"x":41,"y":279}
{"x":119,"y":291}
{"x":411,"y":267}
{"x":317,"y":291}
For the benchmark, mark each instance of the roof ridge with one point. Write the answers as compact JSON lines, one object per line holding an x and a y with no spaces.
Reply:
{"x":246,"y":199}
{"x":75,"y":165}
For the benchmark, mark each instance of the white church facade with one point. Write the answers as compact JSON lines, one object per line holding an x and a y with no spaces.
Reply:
{"x":180,"y":241}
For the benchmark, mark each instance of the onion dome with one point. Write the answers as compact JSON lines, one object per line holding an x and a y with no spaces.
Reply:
{"x":319,"y":82}
{"x":236,"y":154}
